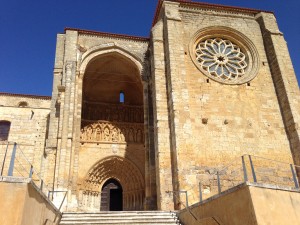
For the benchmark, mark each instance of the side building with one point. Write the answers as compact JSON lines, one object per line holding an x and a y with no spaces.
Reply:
{"x":24,"y":119}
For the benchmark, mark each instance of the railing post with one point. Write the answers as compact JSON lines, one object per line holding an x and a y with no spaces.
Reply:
{"x":252,"y":169}
{"x":294,"y":176}
{"x":244,"y":169}
{"x":3,"y":163}
{"x":200,"y":191}
{"x":31,"y":171}
{"x":42,"y":185}
{"x":61,"y":204}
{"x":219,"y":184}
{"x":186,"y":199}
{"x":12,"y":161}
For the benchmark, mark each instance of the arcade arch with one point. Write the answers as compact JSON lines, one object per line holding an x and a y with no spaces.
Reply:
{"x":112,"y":131}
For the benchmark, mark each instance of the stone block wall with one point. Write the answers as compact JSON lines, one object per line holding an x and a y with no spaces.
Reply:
{"x":211,"y":123}
{"x":28,"y":129}
{"x":75,"y":50}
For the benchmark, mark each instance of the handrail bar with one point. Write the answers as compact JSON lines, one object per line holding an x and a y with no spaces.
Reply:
{"x":274,"y":160}
{"x":188,"y":208}
{"x":232,"y":162}
{"x":63,"y":197}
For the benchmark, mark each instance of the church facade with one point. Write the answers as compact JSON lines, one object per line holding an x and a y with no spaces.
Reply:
{"x":148,"y":117}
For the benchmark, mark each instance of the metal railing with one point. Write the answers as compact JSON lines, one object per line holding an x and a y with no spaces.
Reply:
{"x":254,"y":169}
{"x":16,"y":163}
{"x":259,"y":170}
{"x":247,"y":168}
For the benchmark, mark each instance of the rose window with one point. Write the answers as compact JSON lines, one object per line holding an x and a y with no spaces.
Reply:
{"x":221,"y":59}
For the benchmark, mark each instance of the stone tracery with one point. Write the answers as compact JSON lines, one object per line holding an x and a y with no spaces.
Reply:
{"x":221,"y":59}
{"x":113,"y":112}
{"x":115,"y":132}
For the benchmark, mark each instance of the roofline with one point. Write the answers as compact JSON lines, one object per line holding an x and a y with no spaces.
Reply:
{"x":106,"y":34}
{"x":44,"y":97}
{"x":206,"y":5}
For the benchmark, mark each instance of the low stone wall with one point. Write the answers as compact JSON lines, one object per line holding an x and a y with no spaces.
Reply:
{"x":246,"y":204}
{"x":23,"y":204}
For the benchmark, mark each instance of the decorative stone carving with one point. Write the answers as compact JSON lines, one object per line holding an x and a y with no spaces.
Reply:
{"x":69,"y":66}
{"x":121,"y":169}
{"x":104,"y":131}
{"x":221,"y":58}
{"x":113,"y":112}
{"x":229,"y":58}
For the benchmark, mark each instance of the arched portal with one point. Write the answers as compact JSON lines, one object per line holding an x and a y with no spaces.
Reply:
{"x":111,"y":196}
{"x":119,"y":171}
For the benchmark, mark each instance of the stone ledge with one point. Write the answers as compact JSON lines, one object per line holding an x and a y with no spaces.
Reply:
{"x":23,"y":180}
{"x":249,"y":184}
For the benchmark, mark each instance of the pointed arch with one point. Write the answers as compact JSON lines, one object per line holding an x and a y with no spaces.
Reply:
{"x":109,"y":48}
{"x":120,"y":169}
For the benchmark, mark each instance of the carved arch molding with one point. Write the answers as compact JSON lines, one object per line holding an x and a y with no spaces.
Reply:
{"x":121,"y":169}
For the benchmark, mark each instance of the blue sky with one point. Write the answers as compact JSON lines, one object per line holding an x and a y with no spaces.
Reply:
{"x":28,"y":32}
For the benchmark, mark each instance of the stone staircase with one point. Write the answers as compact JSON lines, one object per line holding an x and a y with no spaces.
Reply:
{"x":121,"y":218}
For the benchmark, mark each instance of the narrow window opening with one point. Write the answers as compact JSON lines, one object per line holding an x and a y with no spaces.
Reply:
{"x":248,"y":84}
{"x":23,"y":104}
{"x":4,"y":130}
{"x":122,"y":97}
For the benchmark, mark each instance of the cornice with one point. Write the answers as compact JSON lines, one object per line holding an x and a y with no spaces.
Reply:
{"x":204,"y":5}
{"x":106,"y":34}
{"x":26,"y":96}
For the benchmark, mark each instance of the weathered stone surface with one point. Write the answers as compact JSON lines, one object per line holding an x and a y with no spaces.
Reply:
{"x":177,"y":126}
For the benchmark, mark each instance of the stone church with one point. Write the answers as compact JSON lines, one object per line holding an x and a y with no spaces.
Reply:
{"x":132,"y":120}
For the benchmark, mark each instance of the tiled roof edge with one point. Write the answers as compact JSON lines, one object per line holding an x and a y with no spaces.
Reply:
{"x":26,"y":96}
{"x":106,"y":34}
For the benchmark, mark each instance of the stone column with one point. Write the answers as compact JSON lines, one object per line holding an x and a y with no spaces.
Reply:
{"x":51,"y":142}
{"x":57,"y":81}
{"x":284,"y":80}
{"x":73,"y":169}
{"x":65,"y":149}
{"x":66,"y":135}
{"x":178,"y":98}
{"x":161,"y":121}
{"x":150,"y":175}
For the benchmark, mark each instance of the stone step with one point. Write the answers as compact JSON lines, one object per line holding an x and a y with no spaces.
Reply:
{"x":120,"y":218}
{"x":120,"y":222}
{"x":124,"y":217}
{"x":120,"y":214}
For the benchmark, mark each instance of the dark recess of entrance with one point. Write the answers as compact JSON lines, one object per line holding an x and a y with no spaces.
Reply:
{"x":111,"y":196}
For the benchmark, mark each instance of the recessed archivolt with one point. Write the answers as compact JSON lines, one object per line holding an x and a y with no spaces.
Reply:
{"x":103,"y":49}
{"x":115,"y":167}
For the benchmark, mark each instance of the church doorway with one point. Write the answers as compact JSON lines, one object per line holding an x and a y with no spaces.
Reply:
{"x":111,"y":196}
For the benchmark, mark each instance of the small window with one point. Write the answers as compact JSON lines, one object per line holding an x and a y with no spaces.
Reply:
{"x":4,"y":130}
{"x":23,"y":104}
{"x":122,"y":97}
